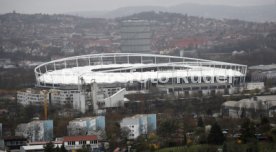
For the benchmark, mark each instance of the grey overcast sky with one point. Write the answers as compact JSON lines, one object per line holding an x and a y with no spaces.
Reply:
{"x":62,"y":6}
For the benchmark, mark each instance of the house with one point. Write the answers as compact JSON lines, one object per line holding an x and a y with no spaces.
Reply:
{"x":255,"y":86}
{"x":252,"y":107}
{"x":139,"y":125}
{"x":77,"y":142}
{"x":263,"y":72}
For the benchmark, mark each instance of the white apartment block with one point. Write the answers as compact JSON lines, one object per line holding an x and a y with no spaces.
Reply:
{"x":30,"y":96}
{"x":62,"y":97}
{"x":36,"y":97}
{"x":37,"y":130}
{"x":82,"y":126}
{"x":139,"y":125}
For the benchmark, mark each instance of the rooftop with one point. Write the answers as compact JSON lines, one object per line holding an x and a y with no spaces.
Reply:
{"x":258,"y":102}
{"x":83,"y":119}
{"x":79,"y":138}
{"x":263,"y":67}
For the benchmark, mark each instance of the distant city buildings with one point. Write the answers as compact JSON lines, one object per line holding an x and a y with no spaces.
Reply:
{"x":139,"y":125}
{"x":136,"y":36}
{"x":37,"y":130}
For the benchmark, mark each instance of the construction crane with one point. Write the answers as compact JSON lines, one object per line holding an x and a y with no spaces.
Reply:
{"x":45,"y":102}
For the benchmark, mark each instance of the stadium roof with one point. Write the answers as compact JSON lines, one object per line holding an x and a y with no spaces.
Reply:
{"x":121,"y":67}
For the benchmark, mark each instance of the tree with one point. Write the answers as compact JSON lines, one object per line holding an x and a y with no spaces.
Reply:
{"x":215,"y":136}
{"x":167,"y":130}
{"x":264,"y":126}
{"x":57,"y":149}
{"x":140,"y":143}
{"x":85,"y":148}
{"x":253,"y":147}
{"x":62,"y":148}
{"x":243,"y":113}
{"x":167,"y":127}
{"x":200,"y":122}
{"x":247,"y":130}
{"x":50,"y":147}
{"x":124,"y":133}
{"x":224,"y":147}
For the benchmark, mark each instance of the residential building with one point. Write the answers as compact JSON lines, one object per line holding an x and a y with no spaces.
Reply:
{"x":55,"y":96}
{"x":260,"y":73}
{"x":30,"y":96}
{"x":86,"y":125}
{"x":62,"y":96}
{"x":255,"y":86}
{"x":139,"y":125}
{"x":37,"y":130}
{"x":252,"y":107}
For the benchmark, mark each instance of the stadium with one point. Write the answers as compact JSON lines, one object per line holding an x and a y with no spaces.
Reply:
{"x":135,"y":71}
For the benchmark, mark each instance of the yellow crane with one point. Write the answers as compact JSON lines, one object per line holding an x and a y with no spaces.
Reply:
{"x":45,"y":103}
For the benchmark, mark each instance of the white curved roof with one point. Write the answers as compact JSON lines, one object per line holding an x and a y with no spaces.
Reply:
{"x":111,"y":68}
{"x":72,"y":75}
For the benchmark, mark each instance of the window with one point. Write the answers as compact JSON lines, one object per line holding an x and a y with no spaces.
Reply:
{"x":71,"y":142}
{"x":82,"y":142}
{"x":93,"y":142}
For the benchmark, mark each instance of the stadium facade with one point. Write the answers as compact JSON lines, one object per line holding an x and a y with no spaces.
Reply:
{"x":140,"y":72}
